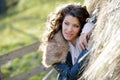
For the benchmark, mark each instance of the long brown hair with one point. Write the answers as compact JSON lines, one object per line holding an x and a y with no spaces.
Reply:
{"x":55,"y":19}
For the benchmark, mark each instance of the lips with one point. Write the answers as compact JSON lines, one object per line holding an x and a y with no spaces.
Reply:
{"x":68,"y":34}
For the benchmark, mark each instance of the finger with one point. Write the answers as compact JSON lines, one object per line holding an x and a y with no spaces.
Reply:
{"x":85,"y":42}
{"x":81,"y":45}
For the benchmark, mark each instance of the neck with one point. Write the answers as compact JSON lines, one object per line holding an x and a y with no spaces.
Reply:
{"x":73,"y":42}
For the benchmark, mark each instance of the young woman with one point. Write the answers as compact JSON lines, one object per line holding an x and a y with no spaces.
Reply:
{"x":62,"y":47}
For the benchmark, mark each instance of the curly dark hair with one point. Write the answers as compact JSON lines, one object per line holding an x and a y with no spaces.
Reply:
{"x":56,"y":18}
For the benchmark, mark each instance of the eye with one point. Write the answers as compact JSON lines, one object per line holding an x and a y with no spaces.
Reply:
{"x":76,"y":26}
{"x":66,"y":23}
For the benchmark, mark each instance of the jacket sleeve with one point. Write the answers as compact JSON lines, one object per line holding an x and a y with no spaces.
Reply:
{"x":65,"y":70}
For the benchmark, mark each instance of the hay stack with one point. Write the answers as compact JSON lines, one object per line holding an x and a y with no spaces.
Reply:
{"x":105,"y":53}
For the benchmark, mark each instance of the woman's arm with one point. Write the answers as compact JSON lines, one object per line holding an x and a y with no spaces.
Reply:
{"x":85,"y":35}
{"x":88,"y":28}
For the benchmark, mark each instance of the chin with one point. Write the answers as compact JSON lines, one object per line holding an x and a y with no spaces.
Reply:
{"x":68,"y":39}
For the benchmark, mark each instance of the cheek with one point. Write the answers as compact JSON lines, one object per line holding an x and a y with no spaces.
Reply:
{"x":77,"y":31}
{"x":63,"y":27}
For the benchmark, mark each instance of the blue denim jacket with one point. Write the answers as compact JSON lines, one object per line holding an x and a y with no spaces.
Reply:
{"x":68,"y":71}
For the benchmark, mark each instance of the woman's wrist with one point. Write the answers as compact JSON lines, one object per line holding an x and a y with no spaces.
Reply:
{"x":88,"y":27}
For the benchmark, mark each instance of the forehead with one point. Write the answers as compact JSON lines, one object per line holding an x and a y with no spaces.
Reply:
{"x":71,"y":19}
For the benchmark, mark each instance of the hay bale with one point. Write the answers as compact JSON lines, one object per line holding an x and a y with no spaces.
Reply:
{"x":105,"y":53}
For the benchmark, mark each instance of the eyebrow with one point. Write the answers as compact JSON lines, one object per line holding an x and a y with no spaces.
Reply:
{"x":78,"y":24}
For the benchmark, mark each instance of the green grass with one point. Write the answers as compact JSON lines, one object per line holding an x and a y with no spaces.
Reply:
{"x":22,"y":25}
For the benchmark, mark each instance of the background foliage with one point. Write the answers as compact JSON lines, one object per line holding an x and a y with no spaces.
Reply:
{"x":21,"y":24}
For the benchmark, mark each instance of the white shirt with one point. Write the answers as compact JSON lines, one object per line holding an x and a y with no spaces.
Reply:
{"x":74,"y":50}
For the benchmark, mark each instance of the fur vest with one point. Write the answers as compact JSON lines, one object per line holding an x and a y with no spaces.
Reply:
{"x":55,"y":50}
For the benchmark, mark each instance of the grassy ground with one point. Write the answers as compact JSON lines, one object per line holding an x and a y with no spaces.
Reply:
{"x":22,"y":25}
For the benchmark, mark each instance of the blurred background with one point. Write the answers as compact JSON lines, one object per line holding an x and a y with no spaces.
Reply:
{"x":22,"y":22}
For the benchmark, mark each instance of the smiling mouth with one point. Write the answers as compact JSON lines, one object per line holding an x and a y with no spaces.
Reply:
{"x":68,"y":35}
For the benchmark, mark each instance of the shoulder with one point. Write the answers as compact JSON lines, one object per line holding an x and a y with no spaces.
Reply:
{"x":55,"y":51}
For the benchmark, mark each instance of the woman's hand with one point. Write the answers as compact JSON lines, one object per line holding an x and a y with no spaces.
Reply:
{"x":85,"y":35}
{"x":83,"y":40}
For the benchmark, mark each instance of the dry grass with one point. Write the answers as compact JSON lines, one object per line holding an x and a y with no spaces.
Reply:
{"x":105,"y":53}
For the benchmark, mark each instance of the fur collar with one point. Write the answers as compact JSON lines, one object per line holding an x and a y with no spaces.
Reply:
{"x":55,"y":51}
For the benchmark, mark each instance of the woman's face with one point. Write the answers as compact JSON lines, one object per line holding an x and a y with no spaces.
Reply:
{"x":70,"y":28}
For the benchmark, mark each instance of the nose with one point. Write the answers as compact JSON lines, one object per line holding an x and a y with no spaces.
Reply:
{"x":69,"y":28}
